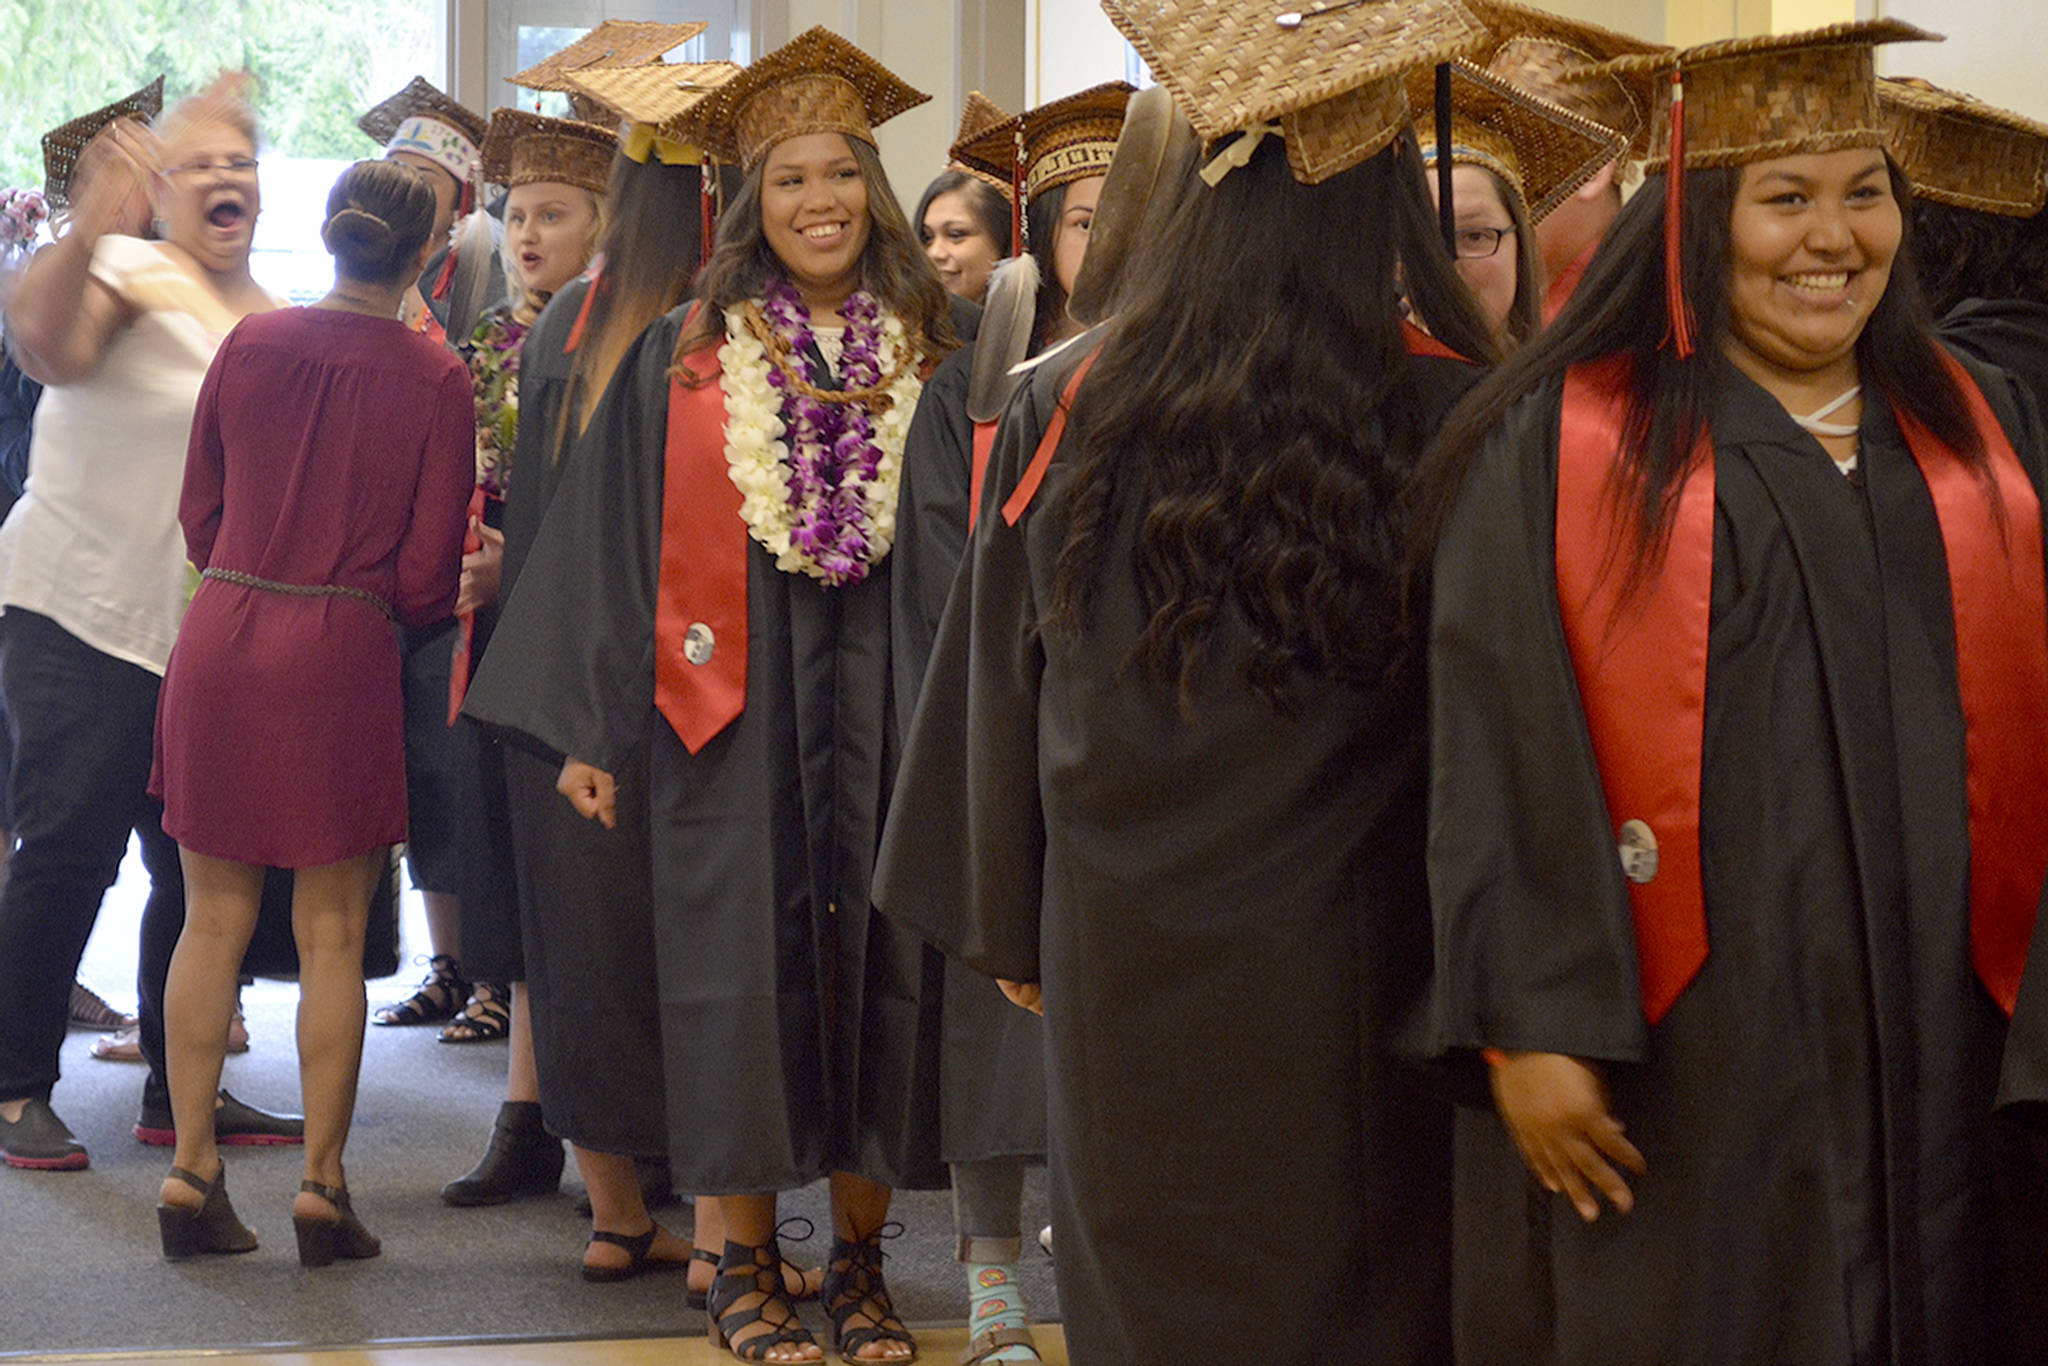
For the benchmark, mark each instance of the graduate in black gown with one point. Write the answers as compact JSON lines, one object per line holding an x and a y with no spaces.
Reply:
{"x":1737,"y":827}
{"x":742,"y":634}
{"x":991,"y":1064}
{"x":1162,"y":783}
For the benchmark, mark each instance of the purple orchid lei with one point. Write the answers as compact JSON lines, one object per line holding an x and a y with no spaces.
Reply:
{"x":832,"y":450}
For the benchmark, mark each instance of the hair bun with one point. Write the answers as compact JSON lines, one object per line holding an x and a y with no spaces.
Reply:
{"x":357,"y":234}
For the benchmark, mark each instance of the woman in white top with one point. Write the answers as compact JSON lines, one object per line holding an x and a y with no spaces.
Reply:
{"x":92,"y":575}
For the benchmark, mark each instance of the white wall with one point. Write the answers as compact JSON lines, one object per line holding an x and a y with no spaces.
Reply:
{"x":1993,"y":49}
{"x":1069,"y":45}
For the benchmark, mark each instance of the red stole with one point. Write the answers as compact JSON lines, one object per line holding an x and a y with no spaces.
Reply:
{"x":1420,"y":343}
{"x":984,"y":442}
{"x":1566,"y":283}
{"x":1641,"y":666}
{"x":700,"y":605}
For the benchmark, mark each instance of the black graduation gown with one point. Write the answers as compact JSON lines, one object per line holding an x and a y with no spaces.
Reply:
{"x":792,"y":1036}
{"x":585,"y":900}
{"x":1227,"y":915}
{"x":1815,"y":1107}
{"x":992,"y":1054}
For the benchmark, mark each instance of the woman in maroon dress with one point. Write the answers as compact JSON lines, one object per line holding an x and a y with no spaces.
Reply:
{"x":325,"y":494}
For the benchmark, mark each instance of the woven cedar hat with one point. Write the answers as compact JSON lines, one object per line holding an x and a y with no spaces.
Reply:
{"x":977,"y":116}
{"x":63,"y":144}
{"x":815,"y":83}
{"x":1750,"y":99}
{"x":420,"y":99}
{"x":613,"y":43}
{"x":1328,"y":74}
{"x":1959,"y":151}
{"x":523,"y":148}
{"x":1537,"y":51}
{"x":654,"y":97}
{"x":1543,"y":151}
{"x":1069,"y":139}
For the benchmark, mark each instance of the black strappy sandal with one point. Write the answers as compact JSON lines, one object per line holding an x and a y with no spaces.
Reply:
{"x":442,"y":994}
{"x":485,"y":1018}
{"x":753,"y":1274}
{"x":638,"y":1263}
{"x":805,"y":1287}
{"x":854,"y":1287}
{"x":212,"y":1228}
{"x":322,"y":1240}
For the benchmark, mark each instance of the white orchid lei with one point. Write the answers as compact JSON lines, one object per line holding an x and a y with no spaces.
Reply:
{"x":826,"y":508}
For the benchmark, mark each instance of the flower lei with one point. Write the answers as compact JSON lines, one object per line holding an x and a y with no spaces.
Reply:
{"x":823,"y":501}
{"x":493,"y":354}
{"x":22,"y":212}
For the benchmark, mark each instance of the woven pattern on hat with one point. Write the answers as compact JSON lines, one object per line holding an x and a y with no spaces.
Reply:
{"x":658,"y":95}
{"x":524,"y":148}
{"x":1069,"y":139}
{"x":1543,"y":150}
{"x":63,"y":144}
{"x":1962,"y":152}
{"x":421,"y":99}
{"x":1535,"y":49}
{"x":815,"y":83}
{"x":613,"y":43}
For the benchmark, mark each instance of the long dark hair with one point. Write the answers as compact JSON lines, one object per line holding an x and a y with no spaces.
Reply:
{"x":990,"y":209}
{"x":1969,"y":254}
{"x":893,"y":267}
{"x":1256,"y":393}
{"x":1042,"y":234}
{"x":1618,"y":309}
{"x":652,"y":242}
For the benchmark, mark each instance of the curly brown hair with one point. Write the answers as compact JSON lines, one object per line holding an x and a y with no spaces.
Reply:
{"x":893,"y":267}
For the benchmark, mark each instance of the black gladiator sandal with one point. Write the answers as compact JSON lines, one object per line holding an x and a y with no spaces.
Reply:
{"x":748,"y":1290}
{"x":854,"y":1288}
{"x":441,"y":995}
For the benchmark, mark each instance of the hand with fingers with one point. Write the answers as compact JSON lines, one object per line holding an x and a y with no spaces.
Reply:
{"x":591,"y":790}
{"x":481,"y":569}
{"x":110,"y":188}
{"x":1556,"y":1109}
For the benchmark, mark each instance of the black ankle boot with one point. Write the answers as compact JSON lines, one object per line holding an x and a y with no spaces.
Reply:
{"x":523,"y":1160}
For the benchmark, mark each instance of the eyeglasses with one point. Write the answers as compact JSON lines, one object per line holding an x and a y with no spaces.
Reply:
{"x":239,"y":167}
{"x":1476,"y":243}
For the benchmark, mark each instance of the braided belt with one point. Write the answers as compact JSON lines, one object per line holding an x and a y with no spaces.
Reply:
{"x":301,"y":590}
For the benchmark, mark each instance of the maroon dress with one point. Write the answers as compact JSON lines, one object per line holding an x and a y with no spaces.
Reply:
{"x":329,"y":450}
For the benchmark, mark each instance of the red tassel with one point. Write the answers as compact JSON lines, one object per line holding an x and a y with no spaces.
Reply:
{"x":583,"y":313}
{"x":446,"y":278}
{"x":1675,"y":306}
{"x":708,"y":216}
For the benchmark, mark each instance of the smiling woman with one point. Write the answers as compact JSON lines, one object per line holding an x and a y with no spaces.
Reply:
{"x":1741,"y":996}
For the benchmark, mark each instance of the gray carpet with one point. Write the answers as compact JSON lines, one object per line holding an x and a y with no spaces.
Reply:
{"x":80,"y":1269}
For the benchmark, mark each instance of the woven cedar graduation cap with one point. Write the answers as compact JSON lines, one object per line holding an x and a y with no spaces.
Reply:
{"x":977,"y":116}
{"x":1325,"y":76}
{"x":63,"y":144}
{"x":1964,"y":153}
{"x":1753,"y":99}
{"x":522,"y":148}
{"x":815,"y":83}
{"x":1056,"y":144}
{"x":1540,"y":52}
{"x":613,"y":43}
{"x":422,"y":120}
{"x":653,"y":101}
{"x":1543,"y":151}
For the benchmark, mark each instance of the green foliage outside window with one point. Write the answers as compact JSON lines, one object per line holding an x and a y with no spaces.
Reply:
{"x":319,"y":64}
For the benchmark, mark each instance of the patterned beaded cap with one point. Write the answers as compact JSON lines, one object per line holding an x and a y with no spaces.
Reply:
{"x":815,"y":83}
{"x":63,"y":144}
{"x":1537,"y":50}
{"x":523,"y":148}
{"x":420,"y":99}
{"x":1326,"y":76}
{"x":1751,"y":99}
{"x":1962,"y":152}
{"x":1540,"y":149}
{"x":1069,"y":139}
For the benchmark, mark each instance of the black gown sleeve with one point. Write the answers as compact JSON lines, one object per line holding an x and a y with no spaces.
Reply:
{"x":1535,"y":948}
{"x":962,"y":860}
{"x":572,"y":664}
{"x":536,"y":460}
{"x":931,"y":523}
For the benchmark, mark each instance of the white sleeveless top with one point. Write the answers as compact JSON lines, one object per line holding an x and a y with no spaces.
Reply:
{"x":94,"y":543}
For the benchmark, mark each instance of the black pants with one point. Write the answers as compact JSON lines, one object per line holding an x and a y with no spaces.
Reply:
{"x":83,"y":725}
